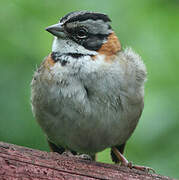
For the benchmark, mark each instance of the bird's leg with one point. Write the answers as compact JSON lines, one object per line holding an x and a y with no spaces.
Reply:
{"x":121,"y":158}
{"x":55,"y":148}
{"x":60,"y":150}
{"x":70,"y":153}
{"x":125,"y":162}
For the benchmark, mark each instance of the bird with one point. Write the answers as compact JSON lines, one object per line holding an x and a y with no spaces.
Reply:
{"x":88,"y":93}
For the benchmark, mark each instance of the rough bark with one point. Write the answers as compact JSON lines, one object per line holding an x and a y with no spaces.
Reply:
{"x":24,"y":163}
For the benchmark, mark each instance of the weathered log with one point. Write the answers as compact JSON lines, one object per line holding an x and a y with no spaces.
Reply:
{"x":24,"y":163}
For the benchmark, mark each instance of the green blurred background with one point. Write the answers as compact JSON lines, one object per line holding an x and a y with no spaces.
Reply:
{"x":151,"y":27}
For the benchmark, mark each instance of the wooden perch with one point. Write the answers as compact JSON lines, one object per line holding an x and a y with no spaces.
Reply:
{"x":23,"y":163}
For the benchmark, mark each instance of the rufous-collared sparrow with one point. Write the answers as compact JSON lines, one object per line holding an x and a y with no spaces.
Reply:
{"x":87,"y":95}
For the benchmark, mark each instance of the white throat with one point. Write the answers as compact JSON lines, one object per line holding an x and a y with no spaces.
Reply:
{"x":64,"y":46}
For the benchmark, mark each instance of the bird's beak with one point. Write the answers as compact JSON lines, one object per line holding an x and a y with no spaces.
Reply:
{"x":56,"y":30}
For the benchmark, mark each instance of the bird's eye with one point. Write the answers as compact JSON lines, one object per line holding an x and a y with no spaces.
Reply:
{"x":82,"y":33}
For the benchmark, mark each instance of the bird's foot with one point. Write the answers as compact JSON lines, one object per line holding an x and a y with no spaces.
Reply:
{"x":126,"y":163}
{"x":141,"y":168}
{"x":81,"y":156}
{"x":85,"y":157}
{"x":68,"y":153}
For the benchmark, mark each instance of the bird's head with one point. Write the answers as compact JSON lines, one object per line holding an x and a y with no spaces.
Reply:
{"x":84,"y":33}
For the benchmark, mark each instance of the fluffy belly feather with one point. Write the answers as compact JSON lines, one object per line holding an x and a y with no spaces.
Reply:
{"x":80,"y":119}
{"x":86,"y":130}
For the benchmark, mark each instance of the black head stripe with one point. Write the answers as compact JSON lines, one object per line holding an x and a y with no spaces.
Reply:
{"x":66,"y":17}
{"x":84,"y":15}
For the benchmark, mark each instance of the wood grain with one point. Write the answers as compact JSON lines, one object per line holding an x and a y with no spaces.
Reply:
{"x":24,"y":163}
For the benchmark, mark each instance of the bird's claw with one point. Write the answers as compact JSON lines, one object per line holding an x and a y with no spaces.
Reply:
{"x":68,"y":154}
{"x":81,"y":156}
{"x":84,"y":156}
{"x":141,"y":168}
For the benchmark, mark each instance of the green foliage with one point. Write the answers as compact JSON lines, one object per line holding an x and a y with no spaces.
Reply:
{"x":150,"y":27}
